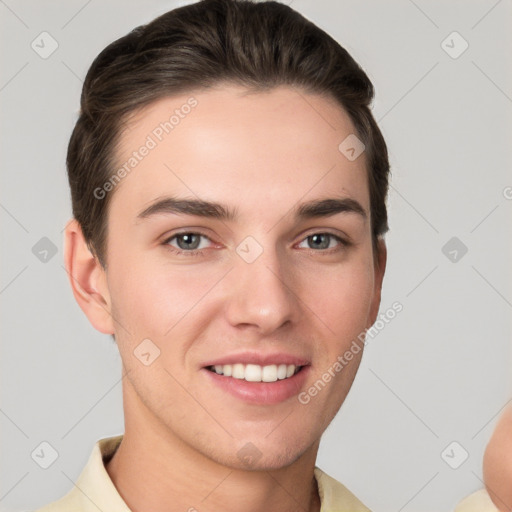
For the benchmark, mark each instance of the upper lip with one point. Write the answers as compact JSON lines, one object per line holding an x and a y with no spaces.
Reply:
{"x":258,"y":358}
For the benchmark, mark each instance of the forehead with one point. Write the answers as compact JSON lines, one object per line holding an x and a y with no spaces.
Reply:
{"x":229,"y":145}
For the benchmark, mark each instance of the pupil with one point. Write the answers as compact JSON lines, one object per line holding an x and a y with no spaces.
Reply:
{"x":187,"y":238}
{"x":316,"y":237}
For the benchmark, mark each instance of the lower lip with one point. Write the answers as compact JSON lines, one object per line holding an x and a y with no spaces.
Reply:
{"x":262,"y":393}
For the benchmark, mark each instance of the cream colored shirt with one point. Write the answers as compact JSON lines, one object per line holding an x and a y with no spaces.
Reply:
{"x":94,"y":490}
{"x":479,"y":501}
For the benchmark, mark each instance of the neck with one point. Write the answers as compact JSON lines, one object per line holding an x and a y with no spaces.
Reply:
{"x":154,"y":470}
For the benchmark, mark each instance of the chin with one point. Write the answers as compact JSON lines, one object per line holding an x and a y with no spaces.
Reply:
{"x":261,"y":456}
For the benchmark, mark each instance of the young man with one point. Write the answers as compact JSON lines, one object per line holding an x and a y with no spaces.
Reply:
{"x":228,"y":184}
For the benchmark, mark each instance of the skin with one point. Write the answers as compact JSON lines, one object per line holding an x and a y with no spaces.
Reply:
{"x":260,"y":153}
{"x":497,"y":467}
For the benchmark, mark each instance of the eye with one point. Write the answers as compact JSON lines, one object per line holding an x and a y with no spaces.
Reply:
{"x":323,"y":241}
{"x":189,"y":243}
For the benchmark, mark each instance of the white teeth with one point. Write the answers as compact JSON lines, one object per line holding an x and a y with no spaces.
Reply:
{"x":255,"y":372}
{"x":269,"y":373}
{"x":238,"y":371}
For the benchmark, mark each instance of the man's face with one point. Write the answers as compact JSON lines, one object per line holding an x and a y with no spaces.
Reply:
{"x":266,"y":287}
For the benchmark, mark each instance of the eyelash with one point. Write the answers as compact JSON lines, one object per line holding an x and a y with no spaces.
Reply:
{"x":200,"y":252}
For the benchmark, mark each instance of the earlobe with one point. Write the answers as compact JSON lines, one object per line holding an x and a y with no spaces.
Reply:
{"x":87,"y":278}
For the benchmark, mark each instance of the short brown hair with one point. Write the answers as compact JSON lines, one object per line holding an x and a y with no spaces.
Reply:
{"x":259,"y":45}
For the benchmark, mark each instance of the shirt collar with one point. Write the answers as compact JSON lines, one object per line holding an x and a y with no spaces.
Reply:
{"x":94,"y":490}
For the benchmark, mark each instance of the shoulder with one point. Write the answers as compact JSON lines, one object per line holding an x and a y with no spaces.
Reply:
{"x":335,"y":497}
{"x":67,"y":503}
{"x":479,"y":501}
{"x":93,"y":490}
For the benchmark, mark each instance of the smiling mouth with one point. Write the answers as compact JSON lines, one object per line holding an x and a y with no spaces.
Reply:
{"x":255,"y":372}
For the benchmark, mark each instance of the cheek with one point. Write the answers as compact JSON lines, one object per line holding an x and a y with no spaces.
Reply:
{"x":153,"y":301}
{"x":342,"y":300}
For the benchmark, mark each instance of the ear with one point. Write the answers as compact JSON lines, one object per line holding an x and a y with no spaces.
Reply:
{"x":87,"y":278}
{"x":379,"y":268}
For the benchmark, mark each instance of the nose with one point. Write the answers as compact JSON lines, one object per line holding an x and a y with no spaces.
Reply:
{"x":261,"y":294}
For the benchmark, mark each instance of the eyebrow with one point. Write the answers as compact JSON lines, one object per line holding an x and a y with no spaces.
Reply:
{"x":311,"y":209}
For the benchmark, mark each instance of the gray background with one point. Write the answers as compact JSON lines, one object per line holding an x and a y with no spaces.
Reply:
{"x":438,"y":373}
